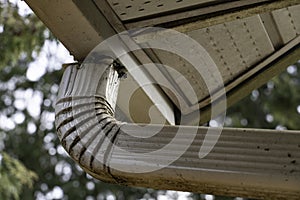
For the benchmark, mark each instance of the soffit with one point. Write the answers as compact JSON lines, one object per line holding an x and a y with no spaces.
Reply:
{"x":236,"y":45}
{"x":240,"y":36}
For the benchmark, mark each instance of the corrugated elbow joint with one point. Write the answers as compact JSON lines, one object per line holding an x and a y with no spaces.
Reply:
{"x":84,"y":110}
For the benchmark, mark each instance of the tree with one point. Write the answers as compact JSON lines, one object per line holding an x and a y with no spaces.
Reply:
{"x":29,"y":134}
{"x":17,"y":40}
{"x":276,"y":105}
{"x":20,"y":35}
{"x":13,"y":176}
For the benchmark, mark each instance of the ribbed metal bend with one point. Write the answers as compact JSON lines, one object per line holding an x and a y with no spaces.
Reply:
{"x":244,"y":162}
{"x":85,"y":120}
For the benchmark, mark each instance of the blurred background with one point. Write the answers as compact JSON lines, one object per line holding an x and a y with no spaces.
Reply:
{"x":33,"y":164}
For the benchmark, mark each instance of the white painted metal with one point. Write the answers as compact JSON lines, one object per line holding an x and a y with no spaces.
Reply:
{"x":234,"y":46}
{"x":201,"y":17}
{"x":288,"y":22}
{"x":227,"y":43}
{"x":59,"y":17}
{"x":81,"y":39}
{"x":136,"y":107}
{"x":128,"y":10}
{"x":253,"y":79}
{"x":244,"y":162}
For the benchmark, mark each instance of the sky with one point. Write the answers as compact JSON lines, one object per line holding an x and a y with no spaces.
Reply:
{"x":52,"y":56}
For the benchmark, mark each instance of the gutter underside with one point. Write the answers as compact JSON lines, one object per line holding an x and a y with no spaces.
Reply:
{"x":243,"y":162}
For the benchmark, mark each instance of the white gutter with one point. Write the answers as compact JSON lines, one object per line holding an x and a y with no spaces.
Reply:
{"x":243,"y":162}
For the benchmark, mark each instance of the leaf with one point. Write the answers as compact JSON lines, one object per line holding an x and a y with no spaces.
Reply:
{"x":14,"y":176}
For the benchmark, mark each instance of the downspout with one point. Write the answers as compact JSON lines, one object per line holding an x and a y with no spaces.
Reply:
{"x":106,"y":148}
{"x":85,"y":114}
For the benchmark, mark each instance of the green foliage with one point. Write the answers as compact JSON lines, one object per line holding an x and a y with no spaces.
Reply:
{"x":275,"y":105}
{"x":33,"y":140}
{"x":13,"y":177}
{"x":21,"y":35}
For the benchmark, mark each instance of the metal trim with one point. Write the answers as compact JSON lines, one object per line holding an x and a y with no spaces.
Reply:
{"x":244,"y":162}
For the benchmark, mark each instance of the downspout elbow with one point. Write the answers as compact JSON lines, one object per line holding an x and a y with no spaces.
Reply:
{"x":110,"y":151}
{"x":84,"y":110}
